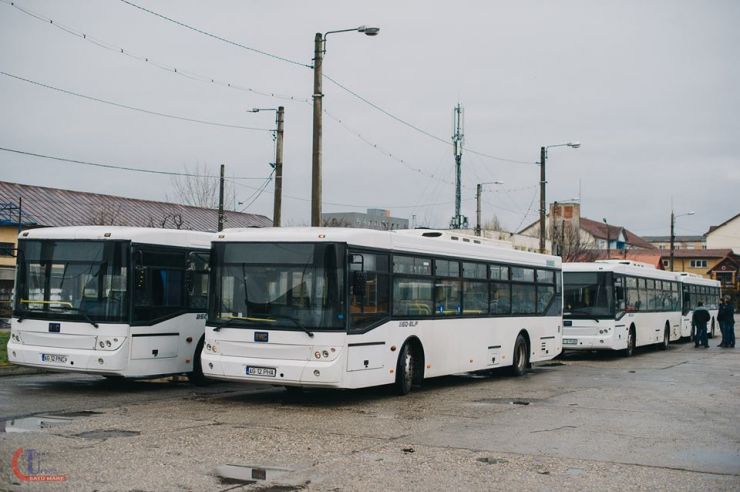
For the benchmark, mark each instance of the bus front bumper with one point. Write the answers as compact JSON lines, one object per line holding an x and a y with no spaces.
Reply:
{"x":112,"y":362}
{"x":327,"y":374}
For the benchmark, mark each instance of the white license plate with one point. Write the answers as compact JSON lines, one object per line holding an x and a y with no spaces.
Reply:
{"x":569,"y":341}
{"x":54,"y":358}
{"x":261,"y":371}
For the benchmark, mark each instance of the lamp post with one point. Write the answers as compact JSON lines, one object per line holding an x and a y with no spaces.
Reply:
{"x":478,"y":191}
{"x":319,"y":50}
{"x":673,"y":235}
{"x":608,"y":247}
{"x":543,"y":159}
{"x":279,"y":131}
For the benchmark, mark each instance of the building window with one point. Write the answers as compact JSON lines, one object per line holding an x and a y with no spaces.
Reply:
{"x":666,"y":263}
{"x":6,"y":249}
{"x":698,"y":263}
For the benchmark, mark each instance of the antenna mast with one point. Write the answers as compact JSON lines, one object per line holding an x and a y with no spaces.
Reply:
{"x":458,"y":221}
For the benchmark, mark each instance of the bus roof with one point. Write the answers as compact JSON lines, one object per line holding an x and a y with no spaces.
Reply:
{"x":694,"y":279}
{"x":420,"y":241}
{"x":624,"y":267}
{"x":141,"y":235}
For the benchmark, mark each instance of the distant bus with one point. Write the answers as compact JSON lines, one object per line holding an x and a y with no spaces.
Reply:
{"x":619,"y":305}
{"x":352,"y":308}
{"x":696,"y":288}
{"x":115,"y":301}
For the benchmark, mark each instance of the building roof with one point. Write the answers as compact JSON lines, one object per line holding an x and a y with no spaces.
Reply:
{"x":599,"y":230}
{"x":696,"y":253}
{"x":714,"y":228}
{"x":678,"y":239}
{"x":54,"y":207}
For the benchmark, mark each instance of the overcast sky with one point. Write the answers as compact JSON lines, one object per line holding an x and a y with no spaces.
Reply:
{"x":650,"y":89}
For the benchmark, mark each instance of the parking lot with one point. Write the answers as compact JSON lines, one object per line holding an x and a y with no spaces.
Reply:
{"x":658,"y":420}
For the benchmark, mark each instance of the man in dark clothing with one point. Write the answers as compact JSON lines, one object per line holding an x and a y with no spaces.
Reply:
{"x":699,"y":321}
{"x":726,"y":318}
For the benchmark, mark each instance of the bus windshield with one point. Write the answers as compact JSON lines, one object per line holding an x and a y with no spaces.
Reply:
{"x":65,"y":279}
{"x":295,"y":286}
{"x":588,"y":295}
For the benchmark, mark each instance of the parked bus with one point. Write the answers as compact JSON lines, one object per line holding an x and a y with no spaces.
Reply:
{"x":696,"y":288}
{"x":619,"y":305}
{"x":115,"y":301}
{"x":352,"y":308}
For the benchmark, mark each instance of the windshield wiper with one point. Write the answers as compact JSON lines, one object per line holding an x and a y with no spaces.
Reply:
{"x":296,"y":322}
{"x":589,"y":315}
{"x":82,"y":312}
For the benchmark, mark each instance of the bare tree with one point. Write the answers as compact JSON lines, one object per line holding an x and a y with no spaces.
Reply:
{"x":493,"y":224}
{"x":106,"y":214}
{"x":199,"y":188}
{"x":335,"y":222}
{"x":164,"y":222}
{"x":571,"y":245}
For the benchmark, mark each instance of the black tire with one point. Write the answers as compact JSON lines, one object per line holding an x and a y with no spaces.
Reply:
{"x":666,"y":338}
{"x":405,"y":370}
{"x":114,"y":378}
{"x":711,"y":333}
{"x":294,"y":390}
{"x":631,"y":342}
{"x":520,"y":358}
{"x":196,"y":377}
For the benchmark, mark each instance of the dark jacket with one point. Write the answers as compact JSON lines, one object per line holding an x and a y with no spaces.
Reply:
{"x":726,"y":314}
{"x":701,"y":317}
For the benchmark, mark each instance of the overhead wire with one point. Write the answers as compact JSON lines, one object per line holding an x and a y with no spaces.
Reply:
{"x":192,"y":75}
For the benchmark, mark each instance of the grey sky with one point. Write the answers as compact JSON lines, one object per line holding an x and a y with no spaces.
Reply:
{"x":649,"y":88}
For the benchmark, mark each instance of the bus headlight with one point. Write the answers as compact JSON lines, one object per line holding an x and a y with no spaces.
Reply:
{"x":109,"y":343}
{"x":211,"y":347}
{"x":16,"y":337}
{"x":325,"y":353}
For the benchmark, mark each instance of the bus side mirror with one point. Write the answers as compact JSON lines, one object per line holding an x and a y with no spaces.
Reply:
{"x":140,"y":277}
{"x":359,"y":283}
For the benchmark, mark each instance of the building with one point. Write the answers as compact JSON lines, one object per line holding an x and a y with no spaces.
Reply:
{"x":574,"y":236}
{"x":717,"y":264}
{"x":725,"y":235}
{"x":375,"y":218}
{"x":679,"y":242}
{"x":38,"y":206}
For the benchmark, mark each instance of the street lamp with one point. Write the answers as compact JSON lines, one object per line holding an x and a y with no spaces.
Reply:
{"x":543,"y":159}
{"x":278,"y":195}
{"x":673,"y":236}
{"x":608,"y":248}
{"x":478,"y":191}
{"x":319,"y":50}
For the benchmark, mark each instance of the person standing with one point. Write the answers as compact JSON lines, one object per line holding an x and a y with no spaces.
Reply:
{"x":699,"y":321}
{"x":726,"y":318}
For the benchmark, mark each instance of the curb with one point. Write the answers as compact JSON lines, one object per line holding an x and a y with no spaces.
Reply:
{"x":13,"y":370}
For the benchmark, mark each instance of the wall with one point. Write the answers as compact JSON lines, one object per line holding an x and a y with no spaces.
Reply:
{"x":727,"y":236}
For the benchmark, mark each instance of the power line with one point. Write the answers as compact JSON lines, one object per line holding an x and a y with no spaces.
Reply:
{"x":134,"y":108}
{"x":259,"y":191}
{"x":120,"y":168}
{"x":146,"y":59}
{"x":214,"y":36}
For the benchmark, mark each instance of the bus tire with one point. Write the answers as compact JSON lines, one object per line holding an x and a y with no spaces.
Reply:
{"x":711,"y":333}
{"x":405,"y":370}
{"x":520,"y":358}
{"x":666,"y":338}
{"x":631,"y":342}
{"x":114,"y":378}
{"x":196,"y":377}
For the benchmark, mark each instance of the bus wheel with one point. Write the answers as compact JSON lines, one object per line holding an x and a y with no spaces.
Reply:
{"x":114,"y":378}
{"x":405,"y":369}
{"x":666,"y":338}
{"x":711,"y":334}
{"x":630,"y":343}
{"x":520,"y":360}
{"x":196,"y":377}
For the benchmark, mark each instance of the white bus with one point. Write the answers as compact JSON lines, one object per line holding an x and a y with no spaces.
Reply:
{"x":352,"y":308}
{"x":619,"y":305}
{"x":696,"y":288}
{"x":115,"y":301}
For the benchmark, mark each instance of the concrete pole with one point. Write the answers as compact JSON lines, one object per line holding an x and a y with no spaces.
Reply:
{"x":221,"y":200}
{"x":673,"y":237}
{"x":317,"y":130}
{"x":543,"y":157}
{"x":477,"y":209}
{"x":278,"y":198}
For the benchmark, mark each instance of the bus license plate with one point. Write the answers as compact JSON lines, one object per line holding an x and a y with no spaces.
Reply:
{"x":261,"y":371}
{"x":569,"y":341}
{"x":54,"y":358}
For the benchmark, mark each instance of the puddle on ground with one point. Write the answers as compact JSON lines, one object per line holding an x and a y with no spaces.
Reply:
{"x":248,"y":474}
{"x":107,"y":434}
{"x":33,"y":424}
{"x":491,"y":461}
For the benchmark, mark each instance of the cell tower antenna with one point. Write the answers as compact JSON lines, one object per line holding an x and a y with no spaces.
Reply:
{"x":458,"y":137}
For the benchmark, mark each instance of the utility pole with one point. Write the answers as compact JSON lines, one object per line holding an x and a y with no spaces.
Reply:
{"x":543,"y":157}
{"x":221,"y":200}
{"x":458,"y":221}
{"x":478,"y":190}
{"x":317,"y":130}
{"x":276,"y":212}
{"x":608,"y":248}
{"x":20,"y":214}
{"x":673,"y":236}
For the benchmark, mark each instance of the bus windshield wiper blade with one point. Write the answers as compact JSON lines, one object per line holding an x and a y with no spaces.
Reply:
{"x":296,"y":322}
{"x":82,"y":312}
{"x":579,"y":311}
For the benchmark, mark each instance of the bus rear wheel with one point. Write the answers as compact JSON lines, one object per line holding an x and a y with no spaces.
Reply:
{"x":630,"y":350}
{"x":405,"y":370}
{"x":520,"y":359}
{"x":666,"y":338}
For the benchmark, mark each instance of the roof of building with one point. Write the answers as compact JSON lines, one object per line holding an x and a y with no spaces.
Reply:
{"x":54,"y":207}
{"x":696,"y":253}
{"x":714,"y":228}
{"x":599,"y":230}
{"x":678,"y":239}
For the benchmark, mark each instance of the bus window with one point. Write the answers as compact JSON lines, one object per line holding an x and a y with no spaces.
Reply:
{"x":523,"y":298}
{"x":633,"y":295}
{"x":475,"y":297}
{"x":500,"y":298}
{"x":447,"y":297}
{"x":412,"y":297}
{"x":369,"y":289}
{"x":159,"y":290}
